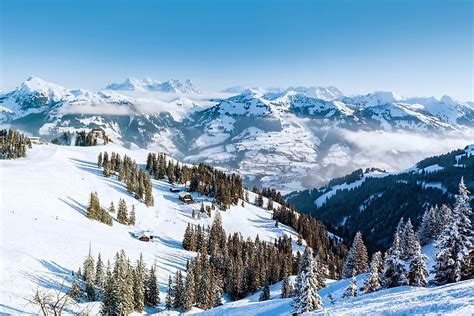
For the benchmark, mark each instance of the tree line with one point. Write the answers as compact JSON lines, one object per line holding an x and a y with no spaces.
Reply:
{"x":13,"y":144}
{"x":100,"y":214}
{"x":330,"y":250}
{"x":228,"y":265}
{"x":80,"y":138}
{"x":225,"y":189}
{"x":136,"y":180}
{"x":122,"y":287}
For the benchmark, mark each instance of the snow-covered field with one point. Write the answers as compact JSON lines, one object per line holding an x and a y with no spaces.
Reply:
{"x":46,"y":235}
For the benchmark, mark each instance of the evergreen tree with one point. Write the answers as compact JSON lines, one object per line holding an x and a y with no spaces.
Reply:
{"x":351,"y":290}
{"x":373,"y":280}
{"x":286,"y":288}
{"x":169,"y":295}
{"x":408,"y":242}
{"x":139,"y":273}
{"x":89,"y":277}
{"x":270,"y":204}
{"x":131,"y":218}
{"x":455,"y":242}
{"x":417,"y":271}
{"x":152,"y":290}
{"x":356,"y":260}
{"x":178,"y":291}
{"x":394,"y":273}
{"x":122,"y":215}
{"x":189,"y":291}
{"x":265,"y":295}
{"x":100,"y":273}
{"x":99,"y":161}
{"x":112,"y":207}
{"x":306,"y":298}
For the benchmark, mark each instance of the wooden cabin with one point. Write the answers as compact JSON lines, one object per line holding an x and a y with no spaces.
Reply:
{"x":35,"y":140}
{"x":186,"y":197}
{"x":145,"y":236}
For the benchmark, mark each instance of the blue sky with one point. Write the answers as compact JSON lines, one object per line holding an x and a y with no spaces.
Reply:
{"x":415,"y":47}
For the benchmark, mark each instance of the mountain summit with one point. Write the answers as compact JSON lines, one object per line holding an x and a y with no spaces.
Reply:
{"x":147,"y":84}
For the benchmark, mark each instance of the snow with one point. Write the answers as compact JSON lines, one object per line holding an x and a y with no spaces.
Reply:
{"x":45,"y":234}
{"x":451,"y":299}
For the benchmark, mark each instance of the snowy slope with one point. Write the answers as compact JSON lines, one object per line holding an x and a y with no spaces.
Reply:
{"x":451,"y":299}
{"x":45,"y":234}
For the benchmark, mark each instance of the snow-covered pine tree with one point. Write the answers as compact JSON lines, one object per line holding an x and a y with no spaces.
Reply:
{"x":169,"y":295}
{"x":89,"y":276}
{"x":372,"y":282}
{"x":351,"y":290}
{"x":189,"y":288}
{"x":320,"y":272}
{"x":178,"y":290}
{"x":265,"y":295}
{"x":455,"y":242}
{"x":139,"y":273}
{"x":356,"y":260}
{"x":408,"y":242}
{"x":99,"y":161}
{"x":306,"y":297}
{"x":100,"y":273}
{"x":204,"y":294}
{"x":152,"y":290}
{"x":394,"y":273}
{"x":286,"y":288}
{"x":417,"y":272}
{"x":425,"y":230}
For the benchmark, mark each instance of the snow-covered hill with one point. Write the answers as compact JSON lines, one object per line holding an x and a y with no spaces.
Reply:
{"x":46,"y":235}
{"x":293,"y":138}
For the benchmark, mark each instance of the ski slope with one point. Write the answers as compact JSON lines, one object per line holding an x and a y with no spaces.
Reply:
{"x":46,"y":234}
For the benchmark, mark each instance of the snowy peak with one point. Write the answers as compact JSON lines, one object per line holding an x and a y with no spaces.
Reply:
{"x":323,"y":93}
{"x":147,"y":84}
{"x":39,"y":87}
{"x":373,"y":99}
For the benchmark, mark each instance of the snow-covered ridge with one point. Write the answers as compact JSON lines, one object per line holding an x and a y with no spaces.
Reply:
{"x":147,"y":84}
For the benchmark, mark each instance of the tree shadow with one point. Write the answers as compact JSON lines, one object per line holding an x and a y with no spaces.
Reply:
{"x":54,"y":279}
{"x":8,"y":310}
{"x":75,"y":205}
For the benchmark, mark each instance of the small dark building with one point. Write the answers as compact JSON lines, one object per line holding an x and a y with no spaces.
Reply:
{"x":186,"y":197}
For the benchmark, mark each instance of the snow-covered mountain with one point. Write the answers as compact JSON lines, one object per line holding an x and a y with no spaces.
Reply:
{"x":372,"y":201}
{"x":147,"y":84}
{"x":290,"y":138}
{"x":323,"y":93}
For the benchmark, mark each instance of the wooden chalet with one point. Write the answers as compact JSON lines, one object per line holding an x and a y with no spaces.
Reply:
{"x":186,"y":197}
{"x":145,"y":236}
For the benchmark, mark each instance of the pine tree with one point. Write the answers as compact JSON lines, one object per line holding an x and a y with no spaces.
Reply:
{"x":455,"y":242}
{"x":286,"y":288}
{"x":112,"y":207}
{"x":178,"y":291}
{"x":131,"y":218}
{"x":122,"y":215}
{"x":265,"y":295}
{"x":408,"y":242}
{"x":306,"y":298}
{"x":417,"y":271}
{"x":270,"y":204}
{"x":169,"y":295}
{"x":189,"y":291}
{"x":75,"y":291}
{"x":373,"y":281}
{"x":89,"y":276}
{"x":356,"y":260}
{"x":394,"y":273}
{"x":100,"y":273}
{"x":152,"y":291}
{"x":351,"y":290}
{"x":99,"y":161}
{"x":139,"y":273}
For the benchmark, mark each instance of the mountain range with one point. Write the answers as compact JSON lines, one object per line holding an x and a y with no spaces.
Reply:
{"x":292,"y":138}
